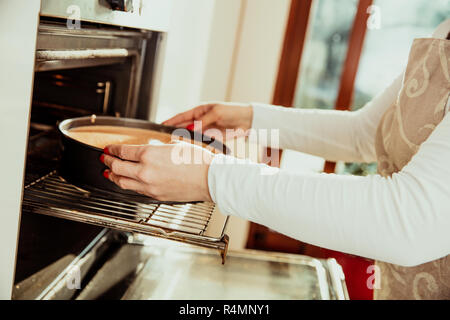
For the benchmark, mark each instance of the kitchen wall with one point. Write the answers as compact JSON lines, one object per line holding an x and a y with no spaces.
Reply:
{"x":259,"y":50}
{"x":222,"y":50}
{"x":185,"y":56}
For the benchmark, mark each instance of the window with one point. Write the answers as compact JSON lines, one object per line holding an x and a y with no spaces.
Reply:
{"x":324,"y":53}
{"x":384,"y":56}
{"x":386,"y":49}
{"x":322,"y":60}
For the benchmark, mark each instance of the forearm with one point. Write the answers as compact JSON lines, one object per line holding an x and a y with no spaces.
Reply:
{"x":402,"y":220}
{"x":324,"y":133}
{"x":333,"y":135}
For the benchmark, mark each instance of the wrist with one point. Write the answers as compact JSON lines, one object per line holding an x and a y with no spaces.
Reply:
{"x":247,"y":116}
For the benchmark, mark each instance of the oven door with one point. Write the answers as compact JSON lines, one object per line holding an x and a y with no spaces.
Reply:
{"x":144,"y":268}
{"x":178,"y":272}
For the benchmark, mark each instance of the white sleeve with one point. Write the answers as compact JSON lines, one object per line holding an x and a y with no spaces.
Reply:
{"x":403,"y":220}
{"x":330,"y":134}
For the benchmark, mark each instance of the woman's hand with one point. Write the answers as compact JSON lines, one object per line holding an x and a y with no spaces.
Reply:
{"x":171,"y":172}
{"x":219,"y":115}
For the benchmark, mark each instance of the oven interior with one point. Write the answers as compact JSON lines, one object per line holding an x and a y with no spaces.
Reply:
{"x":106,"y":81}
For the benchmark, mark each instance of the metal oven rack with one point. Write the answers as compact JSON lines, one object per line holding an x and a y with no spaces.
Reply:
{"x":196,"y":223}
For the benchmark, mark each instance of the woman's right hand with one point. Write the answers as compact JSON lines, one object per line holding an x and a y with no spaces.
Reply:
{"x":220,"y":115}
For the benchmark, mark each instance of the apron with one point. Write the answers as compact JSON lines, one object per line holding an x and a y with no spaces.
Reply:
{"x":420,"y":107}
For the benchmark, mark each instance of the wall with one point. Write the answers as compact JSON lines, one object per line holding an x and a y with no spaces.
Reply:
{"x":190,"y":55}
{"x":221,"y":50}
{"x":259,"y":50}
{"x":224,"y":37}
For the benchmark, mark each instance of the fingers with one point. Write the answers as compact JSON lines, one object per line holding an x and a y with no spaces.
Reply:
{"x":185,"y":117}
{"x":189,"y":116}
{"x":122,"y":168}
{"x":124,"y":151}
{"x":125,"y":182}
{"x":185,"y":124}
{"x":208,"y":119}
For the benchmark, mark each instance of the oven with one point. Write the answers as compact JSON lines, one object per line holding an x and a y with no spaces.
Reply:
{"x":97,"y":69}
{"x":104,"y":58}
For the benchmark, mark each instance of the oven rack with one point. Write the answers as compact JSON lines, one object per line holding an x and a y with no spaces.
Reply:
{"x":190,"y":223}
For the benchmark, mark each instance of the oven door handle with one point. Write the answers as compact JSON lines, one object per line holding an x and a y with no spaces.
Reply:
{"x":47,"y":55}
{"x":47,"y":60}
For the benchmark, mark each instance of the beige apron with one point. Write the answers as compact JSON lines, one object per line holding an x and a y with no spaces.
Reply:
{"x":420,"y":107}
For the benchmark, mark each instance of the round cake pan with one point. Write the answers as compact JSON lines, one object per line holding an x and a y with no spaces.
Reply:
{"x":80,"y":164}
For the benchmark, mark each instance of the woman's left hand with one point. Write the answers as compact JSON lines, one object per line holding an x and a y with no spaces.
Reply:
{"x":171,"y":172}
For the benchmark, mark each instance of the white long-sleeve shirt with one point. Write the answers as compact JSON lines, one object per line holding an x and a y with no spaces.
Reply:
{"x":404,"y":219}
